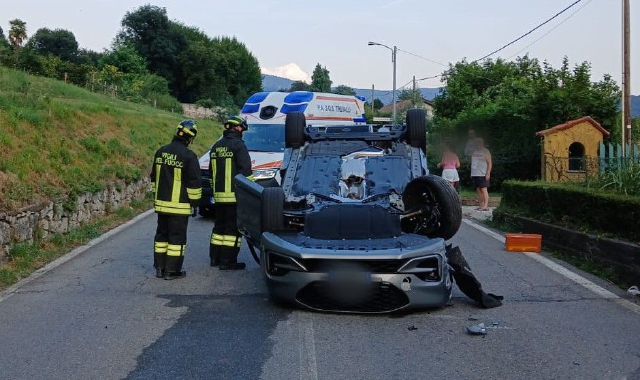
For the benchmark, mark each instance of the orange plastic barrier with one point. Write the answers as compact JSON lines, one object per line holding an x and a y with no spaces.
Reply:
{"x":524,"y":242}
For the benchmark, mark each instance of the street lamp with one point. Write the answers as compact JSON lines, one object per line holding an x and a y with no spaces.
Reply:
{"x":394,"y":52}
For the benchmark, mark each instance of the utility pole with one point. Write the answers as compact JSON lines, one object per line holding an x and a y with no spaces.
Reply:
{"x":373,"y":94}
{"x":394,"y":56}
{"x":626,"y":77}
{"x":414,"y":93}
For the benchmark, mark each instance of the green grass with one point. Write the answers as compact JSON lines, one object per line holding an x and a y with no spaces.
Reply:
{"x":59,"y":139}
{"x":25,"y":258}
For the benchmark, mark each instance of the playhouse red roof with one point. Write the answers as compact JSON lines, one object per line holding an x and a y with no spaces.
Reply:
{"x":572,"y":123}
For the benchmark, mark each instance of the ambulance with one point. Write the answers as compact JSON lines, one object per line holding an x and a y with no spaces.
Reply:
{"x":265,"y":113}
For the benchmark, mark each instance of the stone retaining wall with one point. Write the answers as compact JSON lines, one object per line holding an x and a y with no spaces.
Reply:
{"x":43,"y":220}
{"x":622,"y":256}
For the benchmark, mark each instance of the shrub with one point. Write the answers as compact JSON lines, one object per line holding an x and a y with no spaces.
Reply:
{"x":575,"y":207}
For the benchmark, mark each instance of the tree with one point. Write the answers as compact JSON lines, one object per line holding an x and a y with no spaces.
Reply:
{"x":320,"y":80}
{"x":17,"y":32}
{"x":344,"y":90}
{"x":238,"y":67}
{"x":3,"y":39}
{"x":126,"y":59}
{"x":157,"y":39}
{"x":300,"y":86}
{"x":377,"y":104}
{"x":59,"y":43}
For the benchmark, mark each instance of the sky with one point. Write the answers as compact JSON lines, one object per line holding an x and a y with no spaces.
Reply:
{"x":290,"y":36}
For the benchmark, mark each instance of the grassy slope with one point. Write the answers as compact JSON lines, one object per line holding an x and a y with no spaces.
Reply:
{"x":58,"y":139}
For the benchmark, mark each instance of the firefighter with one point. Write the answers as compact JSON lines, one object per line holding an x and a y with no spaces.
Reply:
{"x":229,"y":157}
{"x":175,"y":178}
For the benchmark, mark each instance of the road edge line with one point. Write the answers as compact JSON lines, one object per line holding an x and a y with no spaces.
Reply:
{"x":561,"y":270}
{"x":13,"y":289}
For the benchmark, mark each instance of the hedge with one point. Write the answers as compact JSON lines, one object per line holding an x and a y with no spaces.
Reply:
{"x":573,"y":206}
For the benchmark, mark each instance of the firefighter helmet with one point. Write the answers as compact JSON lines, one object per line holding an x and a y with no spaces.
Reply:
{"x":187,"y":129}
{"x":236,"y":121}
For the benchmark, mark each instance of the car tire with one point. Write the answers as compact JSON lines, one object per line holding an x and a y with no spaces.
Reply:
{"x":441,"y":195}
{"x":294,"y":127}
{"x":417,"y":129}
{"x":272,"y":209}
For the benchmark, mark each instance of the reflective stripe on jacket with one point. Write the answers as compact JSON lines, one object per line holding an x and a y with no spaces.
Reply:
{"x":229,"y":156}
{"x":175,"y":178}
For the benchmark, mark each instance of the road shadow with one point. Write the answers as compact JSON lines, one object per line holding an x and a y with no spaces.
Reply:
{"x":219,"y":337}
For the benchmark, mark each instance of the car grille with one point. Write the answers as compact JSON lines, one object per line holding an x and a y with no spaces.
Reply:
{"x":371,"y":266}
{"x":380,"y":297}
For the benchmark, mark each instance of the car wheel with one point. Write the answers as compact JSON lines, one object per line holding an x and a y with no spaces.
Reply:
{"x":294,"y":127}
{"x":272,"y":207}
{"x":440,"y":205}
{"x":417,"y":129}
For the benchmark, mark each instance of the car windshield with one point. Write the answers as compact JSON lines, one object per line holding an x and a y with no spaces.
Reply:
{"x":264,"y":138}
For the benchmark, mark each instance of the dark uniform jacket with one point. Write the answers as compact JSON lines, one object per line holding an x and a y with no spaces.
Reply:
{"x":175,"y":178}
{"x":229,"y":157}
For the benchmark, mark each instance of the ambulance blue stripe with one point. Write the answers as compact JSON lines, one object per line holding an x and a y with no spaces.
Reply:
{"x":258,"y":97}
{"x":299,"y":97}
{"x":250,"y":108}
{"x":289,"y":108}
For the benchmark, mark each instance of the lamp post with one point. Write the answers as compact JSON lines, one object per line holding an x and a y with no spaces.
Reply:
{"x":394,"y":53}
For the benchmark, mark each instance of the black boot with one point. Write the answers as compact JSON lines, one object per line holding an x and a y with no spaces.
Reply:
{"x":175,"y":275}
{"x":214,"y":255}
{"x":159,"y":262}
{"x":229,"y":259}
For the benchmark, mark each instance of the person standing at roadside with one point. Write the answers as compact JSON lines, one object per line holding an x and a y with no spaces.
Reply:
{"x":229,"y":157}
{"x":450,"y":164}
{"x":481,"y":166}
{"x":175,"y":179}
{"x":470,"y":146}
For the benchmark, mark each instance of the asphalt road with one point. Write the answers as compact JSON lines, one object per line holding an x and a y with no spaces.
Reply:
{"x":103,"y":315}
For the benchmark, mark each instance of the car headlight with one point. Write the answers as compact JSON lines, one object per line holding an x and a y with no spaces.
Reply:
{"x":260,"y":174}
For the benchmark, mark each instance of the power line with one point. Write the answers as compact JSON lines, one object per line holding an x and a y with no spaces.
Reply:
{"x":552,"y":29}
{"x":530,"y":31}
{"x":421,"y":57}
{"x":525,"y":35}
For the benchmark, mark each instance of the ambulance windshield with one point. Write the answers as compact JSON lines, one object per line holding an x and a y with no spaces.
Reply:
{"x":264,"y":138}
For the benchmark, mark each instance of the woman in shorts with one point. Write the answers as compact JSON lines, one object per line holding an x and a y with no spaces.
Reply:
{"x":450,"y":164}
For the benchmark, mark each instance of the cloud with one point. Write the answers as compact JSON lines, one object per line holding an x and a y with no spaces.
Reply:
{"x":290,"y":71}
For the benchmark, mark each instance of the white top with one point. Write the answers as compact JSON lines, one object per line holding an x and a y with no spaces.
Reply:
{"x":479,"y":162}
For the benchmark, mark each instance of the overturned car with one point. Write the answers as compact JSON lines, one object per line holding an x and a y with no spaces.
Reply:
{"x":358,"y":225}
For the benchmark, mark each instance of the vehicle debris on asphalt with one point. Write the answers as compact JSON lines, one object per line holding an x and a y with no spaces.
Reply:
{"x":479,"y":329}
{"x":467,"y":282}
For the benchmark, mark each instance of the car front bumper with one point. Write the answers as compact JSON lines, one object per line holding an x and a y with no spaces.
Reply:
{"x":387,"y":279}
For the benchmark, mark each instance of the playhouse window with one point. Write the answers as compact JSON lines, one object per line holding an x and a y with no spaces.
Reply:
{"x":576,"y":157}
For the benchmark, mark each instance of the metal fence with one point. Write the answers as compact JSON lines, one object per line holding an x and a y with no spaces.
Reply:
{"x":611,"y":157}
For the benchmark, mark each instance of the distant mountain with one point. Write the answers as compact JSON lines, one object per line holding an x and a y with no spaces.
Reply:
{"x":274,"y":83}
{"x":635,"y":105}
{"x":387,"y":95}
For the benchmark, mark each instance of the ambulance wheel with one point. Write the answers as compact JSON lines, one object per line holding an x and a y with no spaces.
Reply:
{"x":294,"y":127}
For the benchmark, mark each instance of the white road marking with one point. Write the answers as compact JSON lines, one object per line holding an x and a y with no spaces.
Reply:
{"x":63,"y":259}
{"x":597,"y":289}
{"x":308,"y":367}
